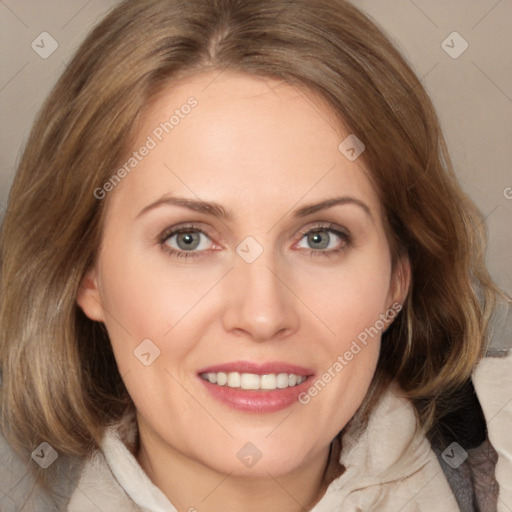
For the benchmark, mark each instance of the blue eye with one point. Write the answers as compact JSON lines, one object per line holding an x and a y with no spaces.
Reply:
{"x":183,"y":242}
{"x":325,"y":241}
{"x":192,"y":242}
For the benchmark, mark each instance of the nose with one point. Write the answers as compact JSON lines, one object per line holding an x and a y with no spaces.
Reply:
{"x":260,"y":302}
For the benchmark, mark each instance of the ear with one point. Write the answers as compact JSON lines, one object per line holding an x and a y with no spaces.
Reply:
{"x":89,"y":297}
{"x":400,"y":281}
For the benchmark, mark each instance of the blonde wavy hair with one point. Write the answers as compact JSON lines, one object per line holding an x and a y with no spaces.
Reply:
{"x":60,"y":382}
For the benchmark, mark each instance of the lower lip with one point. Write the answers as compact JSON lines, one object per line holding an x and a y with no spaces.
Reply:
{"x":255,"y":400}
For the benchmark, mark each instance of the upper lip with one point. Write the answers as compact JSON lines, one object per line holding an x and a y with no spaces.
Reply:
{"x":258,"y":368}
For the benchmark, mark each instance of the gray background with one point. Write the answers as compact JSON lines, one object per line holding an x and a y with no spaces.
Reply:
{"x":472,"y":93}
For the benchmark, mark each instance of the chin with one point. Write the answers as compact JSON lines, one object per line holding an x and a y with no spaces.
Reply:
{"x":257,"y":459}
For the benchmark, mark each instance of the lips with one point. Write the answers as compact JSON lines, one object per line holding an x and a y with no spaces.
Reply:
{"x":228,"y":384}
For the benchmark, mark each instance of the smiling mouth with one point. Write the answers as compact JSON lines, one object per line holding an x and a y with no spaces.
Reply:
{"x":255,"y":387}
{"x":253,"y":381}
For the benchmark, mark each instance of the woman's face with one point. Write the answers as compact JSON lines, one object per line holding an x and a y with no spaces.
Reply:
{"x":257,"y":290}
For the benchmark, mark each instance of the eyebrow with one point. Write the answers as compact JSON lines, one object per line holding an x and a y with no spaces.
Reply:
{"x":217,"y":210}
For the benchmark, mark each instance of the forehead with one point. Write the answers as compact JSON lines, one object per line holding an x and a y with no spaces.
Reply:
{"x":243,"y":140}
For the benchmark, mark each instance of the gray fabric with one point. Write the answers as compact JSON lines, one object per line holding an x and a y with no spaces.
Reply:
{"x":474,"y":483}
{"x":460,"y":481}
{"x":18,"y":490}
{"x":482,"y":461}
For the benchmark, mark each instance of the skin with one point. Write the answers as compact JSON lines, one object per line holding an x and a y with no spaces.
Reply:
{"x":261,"y":149}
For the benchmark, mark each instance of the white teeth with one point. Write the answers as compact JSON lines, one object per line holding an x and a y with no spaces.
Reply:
{"x":268,"y":381}
{"x":253,"y":381}
{"x":234,"y":380}
{"x":282,"y":380}
{"x":249,"y":381}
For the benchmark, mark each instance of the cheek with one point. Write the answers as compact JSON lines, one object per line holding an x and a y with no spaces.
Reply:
{"x":350,"y":298}
{"x":350,"y":302}
{"x":144,"y":300}
{"x":348,"y":363}
{"x":140,"y":296}
{"x":134,"y":306}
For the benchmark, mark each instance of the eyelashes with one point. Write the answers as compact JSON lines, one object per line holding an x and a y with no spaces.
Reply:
{"x":193,"y":237}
